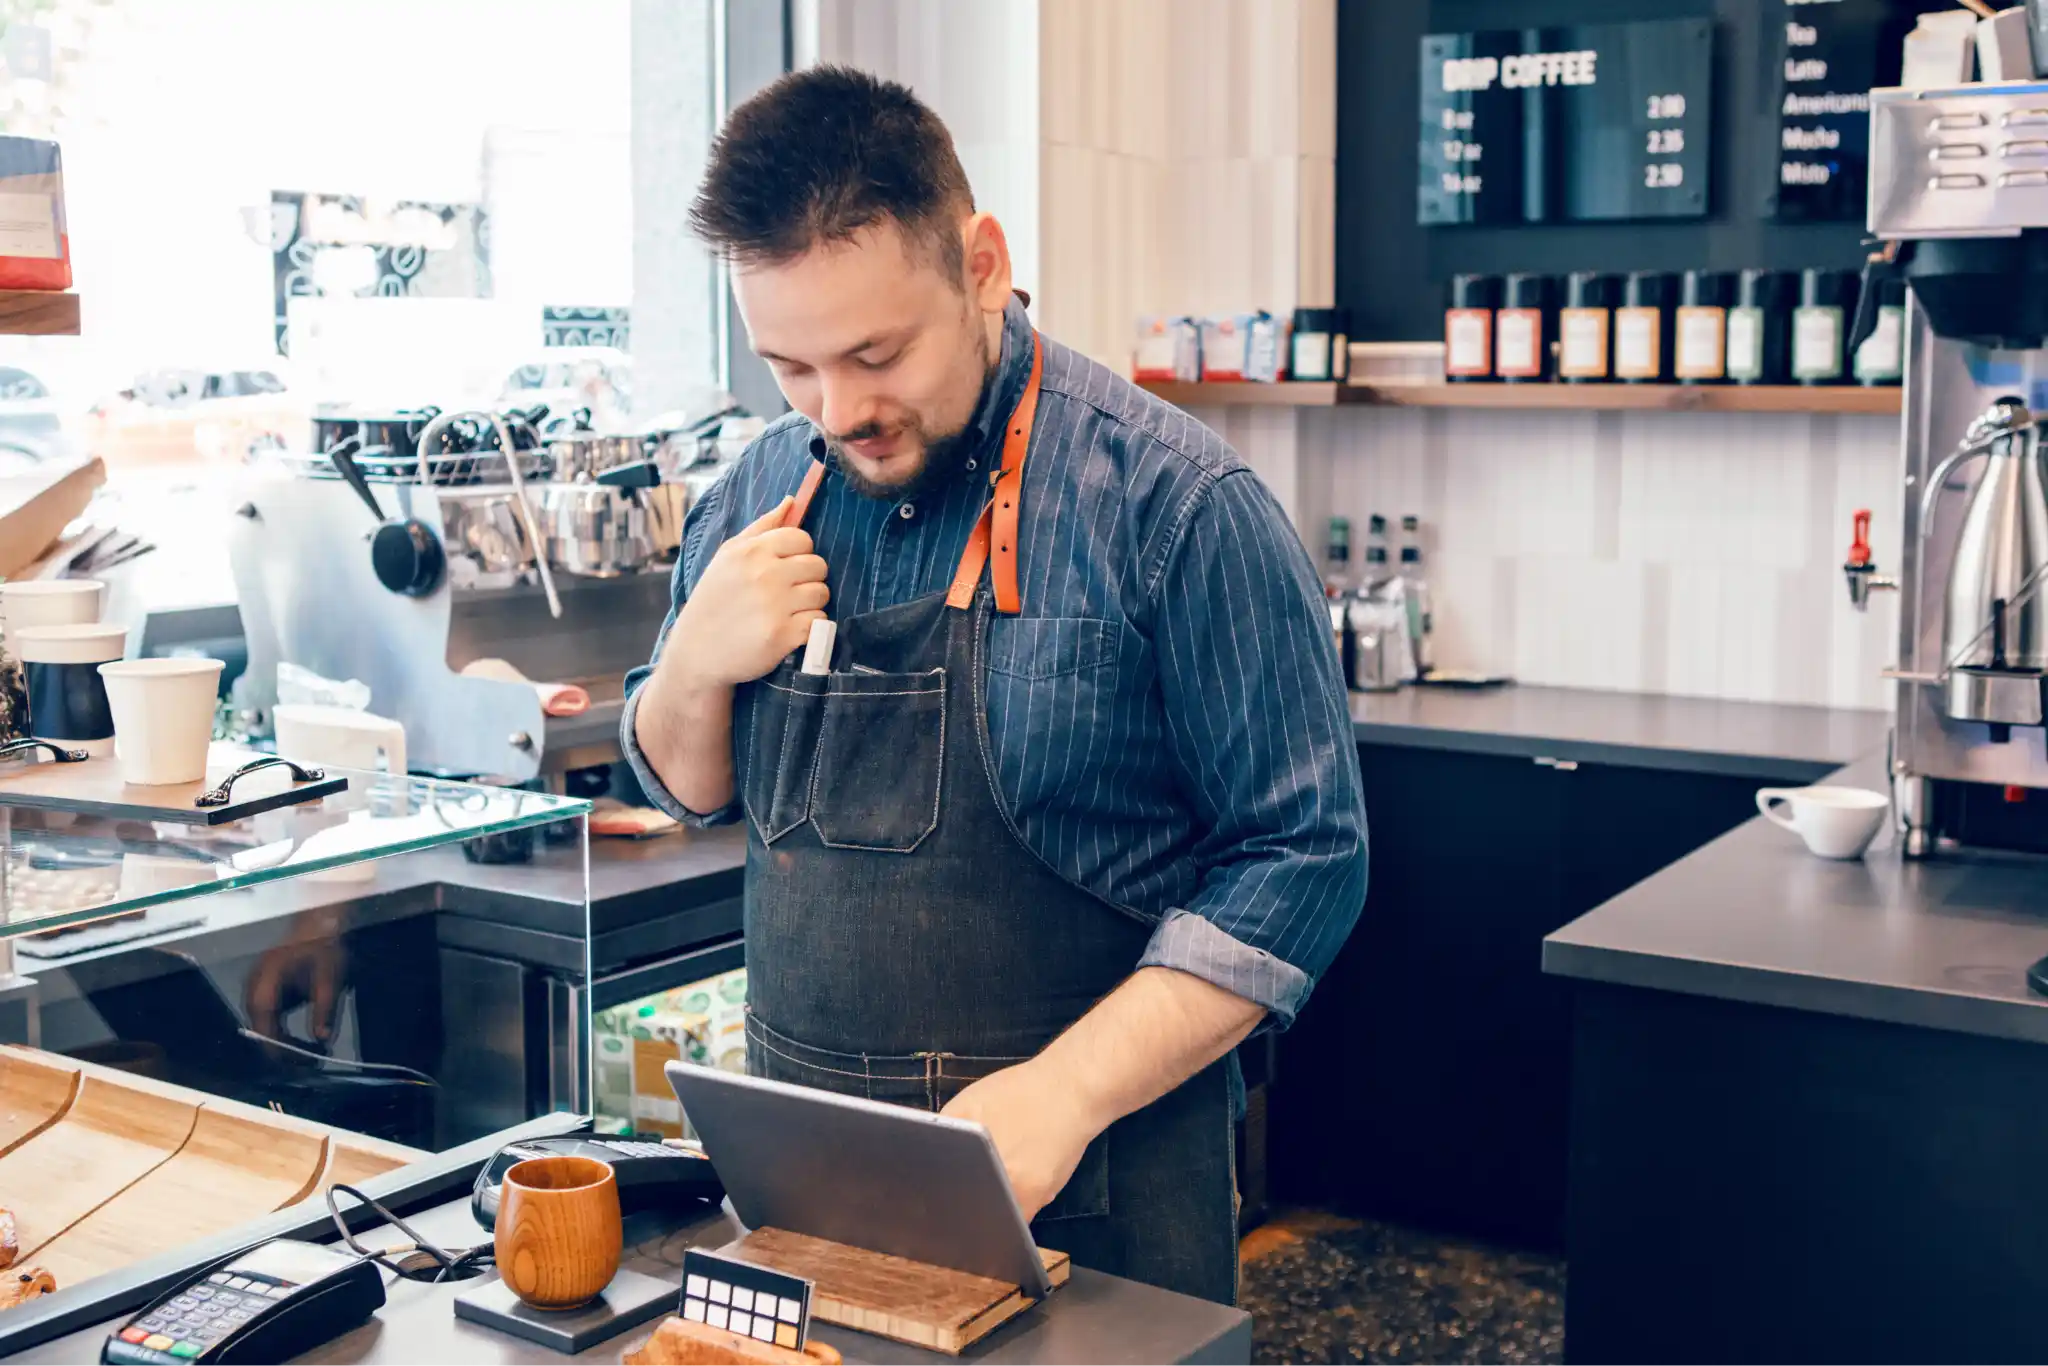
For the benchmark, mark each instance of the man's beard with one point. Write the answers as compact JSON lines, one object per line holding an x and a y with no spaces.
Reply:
{"x":945,"y":455}
{"x":945,"y":458}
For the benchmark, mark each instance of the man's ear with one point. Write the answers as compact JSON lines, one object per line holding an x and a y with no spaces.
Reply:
{"x":987,"y":253}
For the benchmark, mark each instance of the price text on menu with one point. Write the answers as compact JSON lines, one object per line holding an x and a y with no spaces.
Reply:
{"x":1578,"y":124}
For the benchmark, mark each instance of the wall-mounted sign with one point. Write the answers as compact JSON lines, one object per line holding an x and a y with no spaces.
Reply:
{"x":1828,"y":65}
{"x":1578,"y":124}
{"x":1830,"y":54}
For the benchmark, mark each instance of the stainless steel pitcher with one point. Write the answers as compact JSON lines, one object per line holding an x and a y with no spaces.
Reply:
{"x":1995,"y":627}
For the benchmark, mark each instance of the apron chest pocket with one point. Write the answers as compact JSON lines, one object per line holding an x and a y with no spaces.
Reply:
{"x":784,"y":743}
{"x":881,"y":752}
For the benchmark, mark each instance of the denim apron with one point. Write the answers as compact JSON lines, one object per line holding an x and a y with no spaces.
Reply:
{"x":903,"y":941}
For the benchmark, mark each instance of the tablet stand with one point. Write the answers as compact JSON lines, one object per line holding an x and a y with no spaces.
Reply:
{"x":894,"y":1297}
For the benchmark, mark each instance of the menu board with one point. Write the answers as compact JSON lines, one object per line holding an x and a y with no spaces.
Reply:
{"x":1577,"y":124}
{"x":1830,"y":54}
{"x":1829,"y":64}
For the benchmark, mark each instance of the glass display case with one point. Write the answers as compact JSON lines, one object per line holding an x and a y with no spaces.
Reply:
{"x":702,"y":1022}
{"x":204,"y":1027}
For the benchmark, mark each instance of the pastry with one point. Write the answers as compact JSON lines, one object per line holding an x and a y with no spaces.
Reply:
{"x":18,"y":1287}
{"x":10,"y":1245}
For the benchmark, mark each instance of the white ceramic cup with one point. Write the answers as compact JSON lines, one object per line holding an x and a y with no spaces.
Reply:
{"x":163,"y":717}
{"x":1835,"y":822}
{"x":51,"y":602}
{"x":339,"y":737}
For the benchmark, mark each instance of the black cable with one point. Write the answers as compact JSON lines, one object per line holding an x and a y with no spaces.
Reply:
{"x":424,"y":1257}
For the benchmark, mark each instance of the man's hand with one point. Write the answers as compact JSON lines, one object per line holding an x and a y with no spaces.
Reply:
{"x":299,"y":972}
{"x":1148,"y":1036}
{"x":754,"y":603}
{"x":1038,"y":1126}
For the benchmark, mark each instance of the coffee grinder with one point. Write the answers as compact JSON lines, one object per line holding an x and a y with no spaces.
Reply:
{"x":1959,"y":203}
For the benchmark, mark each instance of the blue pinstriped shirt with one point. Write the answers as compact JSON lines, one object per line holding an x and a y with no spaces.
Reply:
{"x":1168,"y":712}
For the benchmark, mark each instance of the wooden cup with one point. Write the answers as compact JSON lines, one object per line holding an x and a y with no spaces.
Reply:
{"x":558,"y":1237}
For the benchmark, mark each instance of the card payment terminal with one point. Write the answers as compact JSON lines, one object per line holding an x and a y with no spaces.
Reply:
{"x":269,"y":1304}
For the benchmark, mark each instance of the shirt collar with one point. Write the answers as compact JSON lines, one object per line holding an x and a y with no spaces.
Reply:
{"x":1006,"y":386}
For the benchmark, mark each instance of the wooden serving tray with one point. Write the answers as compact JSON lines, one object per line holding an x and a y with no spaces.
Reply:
{"x":895,"y":1297}
{"x":678,"y":1342}
{"x":108,"y":1140}
{"x":33,"y":1095}
{"x":103,"y":1168}
{"x":229,"y":1171}
{"x":94,"y":788}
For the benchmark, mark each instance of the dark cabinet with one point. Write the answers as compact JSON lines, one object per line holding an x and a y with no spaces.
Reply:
{"x":1427,"y":1081}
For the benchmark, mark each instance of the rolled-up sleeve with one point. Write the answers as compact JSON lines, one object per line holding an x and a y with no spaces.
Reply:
{"x":704,"y":530}
{"x":1258,"y":721}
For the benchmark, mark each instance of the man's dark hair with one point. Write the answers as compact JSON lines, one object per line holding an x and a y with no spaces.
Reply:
{"x":823,"y":153}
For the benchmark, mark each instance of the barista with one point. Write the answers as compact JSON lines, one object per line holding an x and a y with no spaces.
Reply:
{"x":1077,"y":807}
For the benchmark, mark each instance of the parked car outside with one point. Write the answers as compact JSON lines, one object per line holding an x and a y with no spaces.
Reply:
{"x":31,"y":428}
{"x":169,"y":417}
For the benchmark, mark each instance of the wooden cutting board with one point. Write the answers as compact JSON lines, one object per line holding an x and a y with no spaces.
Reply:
{"x":36,"y":507}
{"x":895,"y":1297}
{"x":94,"y":788}
{"x":231,"y":1170}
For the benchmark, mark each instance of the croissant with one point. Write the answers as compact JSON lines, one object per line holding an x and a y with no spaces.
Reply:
{"x":10,"y":1244}
{"x":18,"y":1287}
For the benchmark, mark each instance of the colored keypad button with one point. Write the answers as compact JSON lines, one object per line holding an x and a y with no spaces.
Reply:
{"x":187,"y":1350}
{"x":157,"y":1342}
{"x":133,"y":1334}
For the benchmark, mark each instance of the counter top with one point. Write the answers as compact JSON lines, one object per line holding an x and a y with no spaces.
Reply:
{"x":1753,"y":917}
{"x":1092,"y":1318}
{"x":1702,"y":735}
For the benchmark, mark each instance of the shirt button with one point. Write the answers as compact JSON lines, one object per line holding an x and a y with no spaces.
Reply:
{"x":973,"y":465}
{"x":907,"y":511}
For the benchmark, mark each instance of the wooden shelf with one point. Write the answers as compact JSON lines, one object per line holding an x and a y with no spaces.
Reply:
{"x":1672,"y":398}
{"x":38,"y":312}
{"x":1239,"y":394}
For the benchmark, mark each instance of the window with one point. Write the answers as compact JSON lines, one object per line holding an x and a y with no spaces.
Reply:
{"x":281,"y":209}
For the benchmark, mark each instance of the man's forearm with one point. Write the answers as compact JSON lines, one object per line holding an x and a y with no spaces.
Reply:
{"x":686,"y":733}
{"x":1145,"y":1038}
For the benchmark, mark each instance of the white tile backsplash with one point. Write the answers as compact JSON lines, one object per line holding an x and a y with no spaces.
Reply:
{"x":1697,"y":554}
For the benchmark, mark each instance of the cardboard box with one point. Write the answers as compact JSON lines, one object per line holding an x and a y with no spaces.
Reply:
{"x":35,"y":246}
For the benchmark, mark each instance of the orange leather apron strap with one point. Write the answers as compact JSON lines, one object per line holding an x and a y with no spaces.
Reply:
{"x":805,"y":491}
{"x":998,"y":522}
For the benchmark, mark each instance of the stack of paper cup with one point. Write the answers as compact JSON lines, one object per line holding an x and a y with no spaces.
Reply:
{"x":51,"y":602}
{"x":157,"y":713}
{"x":67,"y":698}
{"x":72,"y":711}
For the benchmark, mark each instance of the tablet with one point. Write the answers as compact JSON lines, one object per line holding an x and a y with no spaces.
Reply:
{"x":883,"y":1177}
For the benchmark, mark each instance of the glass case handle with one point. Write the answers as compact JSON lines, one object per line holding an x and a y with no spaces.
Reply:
{"x":218,"y":796}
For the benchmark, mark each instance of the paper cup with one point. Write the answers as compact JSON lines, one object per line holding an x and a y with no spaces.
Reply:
{"x":163,"y":717}
{"x":51,"y":602}
{"x":67,"y":698}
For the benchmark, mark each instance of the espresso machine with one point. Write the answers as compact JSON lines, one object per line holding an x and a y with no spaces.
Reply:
{"x":1959,"y":204}
{"x":454,"y":540}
